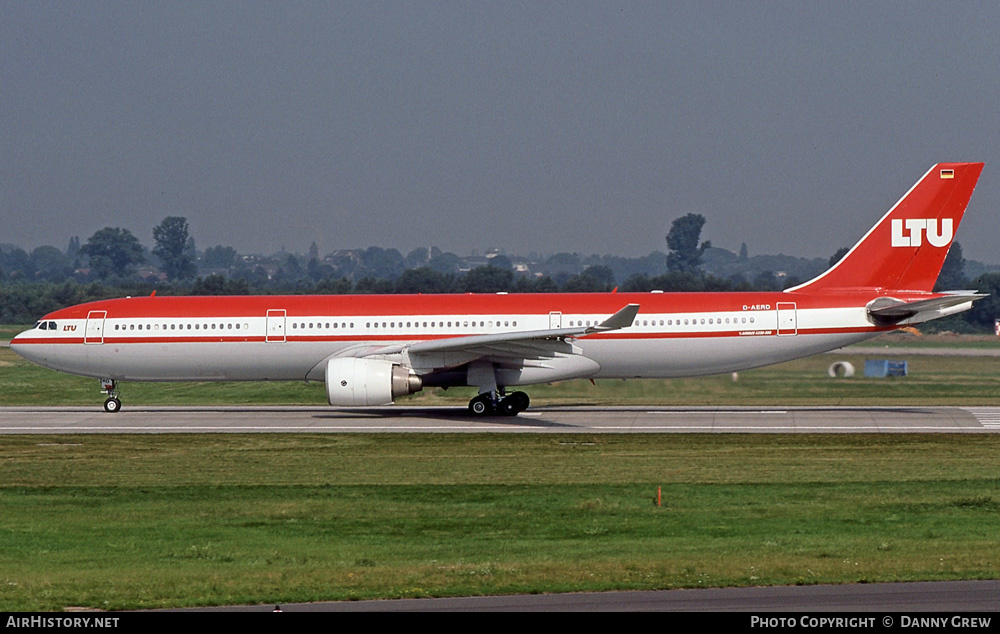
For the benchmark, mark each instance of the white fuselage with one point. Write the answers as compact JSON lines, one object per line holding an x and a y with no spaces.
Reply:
{"x":282,"y":347}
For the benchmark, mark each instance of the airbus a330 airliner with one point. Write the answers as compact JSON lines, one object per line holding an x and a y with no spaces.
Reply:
{"x":371,"y":349}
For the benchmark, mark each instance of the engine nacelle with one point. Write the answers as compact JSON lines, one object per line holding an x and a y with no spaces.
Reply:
{"x":354,"y":382}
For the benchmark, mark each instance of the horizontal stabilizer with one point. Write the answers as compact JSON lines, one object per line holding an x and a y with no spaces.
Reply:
{"x":888,"y":310}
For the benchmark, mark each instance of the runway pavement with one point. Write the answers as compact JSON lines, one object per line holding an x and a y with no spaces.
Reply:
{"x":396,"y":419}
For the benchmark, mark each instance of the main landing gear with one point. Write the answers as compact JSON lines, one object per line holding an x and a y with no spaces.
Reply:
{"x":499,"y":403}
{"x":110,"y":387}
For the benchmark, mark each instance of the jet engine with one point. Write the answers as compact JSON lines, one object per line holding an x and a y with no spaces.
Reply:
{"x":352,"y":382}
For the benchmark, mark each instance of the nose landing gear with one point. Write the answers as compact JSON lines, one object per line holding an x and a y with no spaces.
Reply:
{"x":110,"y":387}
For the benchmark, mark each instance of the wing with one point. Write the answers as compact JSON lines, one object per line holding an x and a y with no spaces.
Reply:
{"x":509,"y":348}
{"x":886,"y":311}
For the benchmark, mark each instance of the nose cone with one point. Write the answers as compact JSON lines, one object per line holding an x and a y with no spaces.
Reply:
{"x":17,"y":343}
{"x":26,"y":345}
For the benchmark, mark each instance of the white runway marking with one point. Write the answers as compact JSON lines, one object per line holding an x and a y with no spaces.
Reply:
{"x":988,"y":417}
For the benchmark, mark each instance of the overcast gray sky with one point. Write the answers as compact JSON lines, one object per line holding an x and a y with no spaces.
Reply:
{"x":527,"y":126}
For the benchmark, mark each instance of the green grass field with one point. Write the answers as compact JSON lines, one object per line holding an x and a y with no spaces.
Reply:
{"x":124,"y":522}
{"x":7,"y":331}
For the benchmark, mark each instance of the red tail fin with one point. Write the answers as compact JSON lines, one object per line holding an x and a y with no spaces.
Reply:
{"x":907,"y":247}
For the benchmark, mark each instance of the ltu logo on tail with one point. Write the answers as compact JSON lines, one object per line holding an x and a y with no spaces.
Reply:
{"x":917,"y":226}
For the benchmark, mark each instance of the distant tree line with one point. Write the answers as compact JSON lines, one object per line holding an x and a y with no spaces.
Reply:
{"x":114,"y":263}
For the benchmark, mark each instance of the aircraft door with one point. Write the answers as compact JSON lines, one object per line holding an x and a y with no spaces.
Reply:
{"x":555,"y":320}
{"x":275,"y":325}
{"x":787,"y":319}
{"x":94,"y":330}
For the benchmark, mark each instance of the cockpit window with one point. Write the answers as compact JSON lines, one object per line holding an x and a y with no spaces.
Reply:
{"x":38,"y":325}
{"x":52,"y":325}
